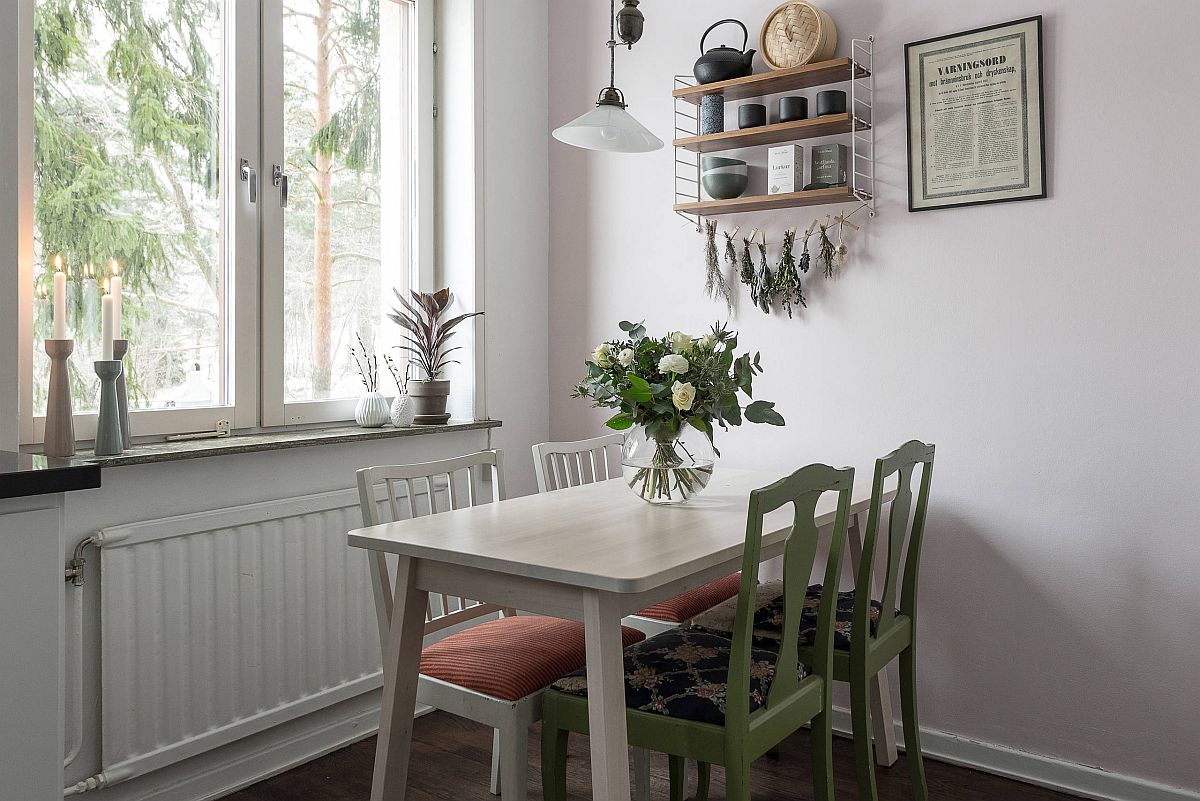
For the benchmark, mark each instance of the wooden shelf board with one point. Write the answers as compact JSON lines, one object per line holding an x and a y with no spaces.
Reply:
{"x":770,"y":134}
{"x":774,"y":82}
{"x":809,"y":197}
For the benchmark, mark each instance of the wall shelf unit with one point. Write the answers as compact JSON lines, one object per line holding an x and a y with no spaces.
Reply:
{"x":809,"y":197}
{"x":856,"y":123}
{"x":775,"y":134}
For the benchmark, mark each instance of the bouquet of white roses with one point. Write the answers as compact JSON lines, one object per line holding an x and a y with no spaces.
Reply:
{"x":668,"y":383}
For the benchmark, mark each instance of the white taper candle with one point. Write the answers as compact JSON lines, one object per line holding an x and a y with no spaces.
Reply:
{"x":60,"y":300}
{"x":106,"y":327}
{"x":114,"y":287}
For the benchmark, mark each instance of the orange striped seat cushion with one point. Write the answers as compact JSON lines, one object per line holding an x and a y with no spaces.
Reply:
{"x":687,"y":605}
{"x":512,"y":657}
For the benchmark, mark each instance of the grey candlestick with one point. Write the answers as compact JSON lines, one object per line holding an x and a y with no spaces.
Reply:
{"x":59,"y":439}
{"x":108,"y":423}
{"x":120,"y":348}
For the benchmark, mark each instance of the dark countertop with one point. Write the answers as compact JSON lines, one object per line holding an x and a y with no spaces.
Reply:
{"x":25,"y":474}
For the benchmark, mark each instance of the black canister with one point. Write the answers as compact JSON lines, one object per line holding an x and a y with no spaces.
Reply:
{"x":712,"y":114}
{"x":832,"y":101}
{"x":752,"y":115}
{"x":792,"y":109}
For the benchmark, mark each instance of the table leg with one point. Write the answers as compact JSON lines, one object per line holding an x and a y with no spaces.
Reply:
{"x":606,"y":697}
{"x":882,"y":723}
{"x":402,"y":662}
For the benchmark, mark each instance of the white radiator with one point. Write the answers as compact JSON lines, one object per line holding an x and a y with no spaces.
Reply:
{"x":222,"y":624}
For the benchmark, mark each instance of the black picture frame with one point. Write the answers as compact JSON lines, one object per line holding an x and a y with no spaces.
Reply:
{"x":1035,"y":141}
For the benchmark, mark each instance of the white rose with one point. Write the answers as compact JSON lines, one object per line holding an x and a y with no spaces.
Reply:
{"x":683,"y":396}
{"x":626,"y":357}
{"x":706,"y":342}
{"x":603,"y":354}
{"x":680,"y":342}
{"x":673,"y":363}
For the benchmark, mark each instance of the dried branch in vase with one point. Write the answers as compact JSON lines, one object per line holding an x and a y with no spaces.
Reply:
{"x":401,"y":380}
{"x":368,"y":365}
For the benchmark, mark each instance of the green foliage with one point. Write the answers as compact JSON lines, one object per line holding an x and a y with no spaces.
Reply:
{"x":627,"y":375}
{"x":426,"y":332}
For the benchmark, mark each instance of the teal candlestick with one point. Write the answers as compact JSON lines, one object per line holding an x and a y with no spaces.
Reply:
{"x":120,"y":348}
{"x":108,"y":424}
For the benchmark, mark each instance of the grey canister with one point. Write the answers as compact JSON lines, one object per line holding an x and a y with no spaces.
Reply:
{"x":752,"y":115}
{"x":831,"y":101}
{"x":712,"y":114}
{"x":793,"y":109}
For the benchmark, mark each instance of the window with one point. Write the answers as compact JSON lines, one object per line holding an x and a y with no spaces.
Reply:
{"x":152,"y":119}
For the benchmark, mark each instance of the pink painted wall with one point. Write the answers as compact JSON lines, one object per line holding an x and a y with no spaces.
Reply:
{"x":1048,"y":347}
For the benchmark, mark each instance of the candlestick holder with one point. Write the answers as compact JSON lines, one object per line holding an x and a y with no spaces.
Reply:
{"x":120,"y":348}
{"x":59,"y":439}
{"x":108,"y":423}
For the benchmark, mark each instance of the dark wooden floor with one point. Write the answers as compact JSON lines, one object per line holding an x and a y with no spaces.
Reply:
{"x":451,"y":762}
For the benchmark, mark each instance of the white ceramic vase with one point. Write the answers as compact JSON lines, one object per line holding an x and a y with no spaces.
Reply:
{"x":372,"y":411}
{"x":403,"y":411}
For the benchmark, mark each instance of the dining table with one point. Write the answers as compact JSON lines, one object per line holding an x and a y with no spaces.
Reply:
{"x":593,"y":553}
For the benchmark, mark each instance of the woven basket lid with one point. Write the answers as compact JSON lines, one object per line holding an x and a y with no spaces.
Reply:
{"x":796,"y":34}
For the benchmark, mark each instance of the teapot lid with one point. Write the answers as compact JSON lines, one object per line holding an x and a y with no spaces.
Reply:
{"x":745,"y":35}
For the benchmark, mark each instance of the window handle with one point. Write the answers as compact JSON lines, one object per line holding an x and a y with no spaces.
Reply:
{"x":250,"y":176}
{"x":279,"y":178}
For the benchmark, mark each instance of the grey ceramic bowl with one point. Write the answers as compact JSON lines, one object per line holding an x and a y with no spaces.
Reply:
{"x":723,"y":178}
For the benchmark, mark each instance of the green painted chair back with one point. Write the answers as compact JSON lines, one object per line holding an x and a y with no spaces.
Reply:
{"x":803,"y":489}
{"x":901,"y":538}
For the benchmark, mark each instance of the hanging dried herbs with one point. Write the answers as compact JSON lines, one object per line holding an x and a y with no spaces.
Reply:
{"x":826,"y":252}
{"x":805,"y":256}
{"x":714,"y":280}
{"x":787,"y":279}
{"x":765,"y":279}
{"x":746,"y":273}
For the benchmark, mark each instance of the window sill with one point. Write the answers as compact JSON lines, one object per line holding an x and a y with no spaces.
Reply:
{"x":153,"y":453}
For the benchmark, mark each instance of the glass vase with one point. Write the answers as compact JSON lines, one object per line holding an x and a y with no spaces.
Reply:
{"x":667,"y":471}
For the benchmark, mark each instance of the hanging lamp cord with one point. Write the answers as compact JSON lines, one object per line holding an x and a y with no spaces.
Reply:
{"x":612,"y":44}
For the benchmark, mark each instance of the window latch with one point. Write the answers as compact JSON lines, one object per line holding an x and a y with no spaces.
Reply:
{"x":250,"y":176}
{"x":279,"y":179}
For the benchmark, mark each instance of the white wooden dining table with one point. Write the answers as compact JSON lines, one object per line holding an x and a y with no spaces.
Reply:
{"x":593,"y":553}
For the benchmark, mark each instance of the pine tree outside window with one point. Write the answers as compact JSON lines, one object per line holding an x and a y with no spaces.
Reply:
{"x":143,"y":112}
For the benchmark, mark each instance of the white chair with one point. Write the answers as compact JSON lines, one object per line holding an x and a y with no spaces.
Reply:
{"x":477,"y":666}
{"x":559,"y":465}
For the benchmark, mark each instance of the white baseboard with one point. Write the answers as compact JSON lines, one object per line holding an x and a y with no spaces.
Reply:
{"x":1042,"y":771}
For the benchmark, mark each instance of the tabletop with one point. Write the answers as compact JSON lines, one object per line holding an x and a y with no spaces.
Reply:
{"x":598,"y":536}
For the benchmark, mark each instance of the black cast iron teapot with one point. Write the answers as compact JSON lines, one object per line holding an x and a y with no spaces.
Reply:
{"x":723,"y":63}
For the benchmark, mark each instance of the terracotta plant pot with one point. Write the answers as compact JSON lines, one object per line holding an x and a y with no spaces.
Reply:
{"x":429,"y":399}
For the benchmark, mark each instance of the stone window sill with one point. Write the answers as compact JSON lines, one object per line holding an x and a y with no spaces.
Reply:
{"x":155,"y":452}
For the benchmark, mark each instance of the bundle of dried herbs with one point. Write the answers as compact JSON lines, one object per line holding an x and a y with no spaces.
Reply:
{"x":765,"y":279}
{"x":746,"y":272}
{"x":714,"y":280}
{"x":787,"y":278}
{"x":826,"y":252}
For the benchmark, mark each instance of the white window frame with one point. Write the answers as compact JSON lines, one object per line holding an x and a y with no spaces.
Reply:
{"x":276,"y":410}
{"x":254,"y":350}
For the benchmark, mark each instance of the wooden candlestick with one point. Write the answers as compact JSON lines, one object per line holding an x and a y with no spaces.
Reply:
{"x":59,"y":439}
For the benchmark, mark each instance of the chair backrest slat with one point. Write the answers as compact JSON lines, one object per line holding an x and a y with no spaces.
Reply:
{"x":902,"y":541}
{"x":802,"y":490}
{"x":559,"y":465}
{"x":442,"y":609}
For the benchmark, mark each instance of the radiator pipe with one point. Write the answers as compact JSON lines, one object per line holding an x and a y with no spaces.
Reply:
{"x":97,"y":782}
{"x":74,"y":661}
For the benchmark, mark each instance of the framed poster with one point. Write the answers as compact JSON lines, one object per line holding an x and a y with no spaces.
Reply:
{"x":976,"y":117}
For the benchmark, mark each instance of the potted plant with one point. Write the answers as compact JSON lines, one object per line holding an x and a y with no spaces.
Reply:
{"x":670,"y":392}
{"x":428,"y":332}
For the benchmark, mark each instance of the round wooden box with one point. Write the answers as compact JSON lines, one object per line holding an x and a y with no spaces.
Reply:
{"x":796,"y":34}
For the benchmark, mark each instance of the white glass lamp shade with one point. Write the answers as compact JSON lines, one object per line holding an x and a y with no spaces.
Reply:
{"x":609,"y":128}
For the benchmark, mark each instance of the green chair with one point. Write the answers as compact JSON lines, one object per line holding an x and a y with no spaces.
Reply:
{"x":677,"y":684}
{"x":891,"y":630}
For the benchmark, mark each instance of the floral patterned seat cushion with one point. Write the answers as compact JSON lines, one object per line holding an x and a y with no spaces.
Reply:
{"x":682,"y":673}
{"x":768,"y":616}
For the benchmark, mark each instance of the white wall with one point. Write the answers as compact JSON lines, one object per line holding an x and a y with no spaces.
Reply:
{"x":1048,"y":347}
